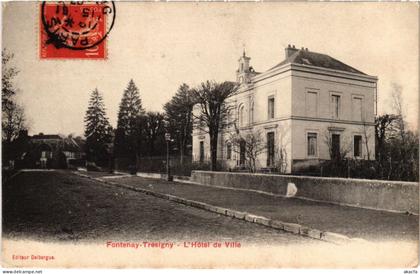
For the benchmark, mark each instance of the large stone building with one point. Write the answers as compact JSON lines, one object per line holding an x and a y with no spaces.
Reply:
{"x":308,"y":108}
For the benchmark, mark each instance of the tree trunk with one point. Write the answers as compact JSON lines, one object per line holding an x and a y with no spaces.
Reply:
{"x":181,"y":155}
{"x":213,"y":151}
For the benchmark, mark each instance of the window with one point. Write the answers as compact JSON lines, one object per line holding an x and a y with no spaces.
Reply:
{"x":312,"y":104}
{"x":241,"y":115}
{"x":357,"y":109}
{"x":270,"y":107}
{"x":335,"y":106}
{"x":270,"y":149}
{"x":229,"y":151}
{"x":46,"y":154}
{"x":335,"y":146}
{"x":201,"y":151}
{"x":357,"y":150}
{"x":312,"y":144}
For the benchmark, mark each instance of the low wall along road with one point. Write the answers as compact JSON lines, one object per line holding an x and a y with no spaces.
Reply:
{"x":373,"y":194}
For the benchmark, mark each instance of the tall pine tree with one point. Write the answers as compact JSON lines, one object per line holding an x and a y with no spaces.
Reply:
{"x":97,"y":129}
{"x":127,"y":134}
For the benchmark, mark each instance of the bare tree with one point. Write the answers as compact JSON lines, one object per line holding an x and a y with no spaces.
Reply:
{"x":252,"y":142}
{"x":13,"y":121}
{"x":213,"y":111}
{"x":281,"y":158}
{"x":366,"y":138}
{"x":13,"y":118}
{"x":343,"y":150}
{"x":402,"y":143}
{"x":8,"y":72}
{"x":398,"y":108}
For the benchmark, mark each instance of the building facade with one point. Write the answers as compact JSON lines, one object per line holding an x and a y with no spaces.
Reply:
{"x":308,"y":108}
{"x":52,"y":150}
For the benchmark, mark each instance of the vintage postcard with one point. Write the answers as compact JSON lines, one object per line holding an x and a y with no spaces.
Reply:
{"x":210,"y":135}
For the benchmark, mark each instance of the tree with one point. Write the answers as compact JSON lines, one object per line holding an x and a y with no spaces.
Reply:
{"x":402,"y":144}
{"x":252,"y":142}
{"x":153,"y":129}
{"x":8,"y":72}
{"x":337,"y":153}
{"x":97,"y":129}
{"x":383,"y":126}
{"x":396,"y":146}
{"x":13,"y":121}
{"x":178,"y":113}
{"x":127,"y":135}
{"x":213,"y":111}
{"x":366,"y":138}
{"x":13,"y":116}
{"x":398,"y":108}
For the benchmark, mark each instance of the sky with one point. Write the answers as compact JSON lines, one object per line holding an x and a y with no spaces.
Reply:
{"x":162,"y":45}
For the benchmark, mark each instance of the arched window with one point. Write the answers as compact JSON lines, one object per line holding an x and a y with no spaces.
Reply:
{"x":241,"y":115}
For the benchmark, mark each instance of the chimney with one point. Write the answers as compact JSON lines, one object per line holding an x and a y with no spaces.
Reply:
{"x":290,"y":50}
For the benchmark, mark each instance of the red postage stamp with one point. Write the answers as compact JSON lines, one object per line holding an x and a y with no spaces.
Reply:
{"x":75,"y":29}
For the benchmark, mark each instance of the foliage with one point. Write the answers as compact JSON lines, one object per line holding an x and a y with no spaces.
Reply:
{"x":397,"y":147}
{"x":178,"y":115}
{"x":126,"y":136}
{"x":97,"y":129}
{"x":153,"y":133}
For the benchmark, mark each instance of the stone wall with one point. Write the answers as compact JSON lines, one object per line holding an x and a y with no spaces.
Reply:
{"x":374,"y":194}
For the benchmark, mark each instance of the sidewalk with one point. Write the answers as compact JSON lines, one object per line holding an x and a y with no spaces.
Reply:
{"x":352,"y":222}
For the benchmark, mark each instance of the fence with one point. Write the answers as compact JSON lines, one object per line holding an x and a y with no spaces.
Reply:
{"x":346,"y":169}
{"x":157,"y":164}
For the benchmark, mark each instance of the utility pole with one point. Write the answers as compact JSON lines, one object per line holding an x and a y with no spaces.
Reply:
{"x":168,"y":139}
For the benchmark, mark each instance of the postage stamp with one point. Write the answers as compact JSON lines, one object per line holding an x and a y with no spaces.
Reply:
{"x":75,"y":29}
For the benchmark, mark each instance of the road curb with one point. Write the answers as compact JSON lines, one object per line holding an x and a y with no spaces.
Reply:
{"x":294,"y":228}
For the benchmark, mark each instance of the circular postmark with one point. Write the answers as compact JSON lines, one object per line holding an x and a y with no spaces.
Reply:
{"x":77,"y":25}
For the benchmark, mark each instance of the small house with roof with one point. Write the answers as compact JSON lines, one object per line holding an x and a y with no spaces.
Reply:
{"x":53,"y":150}
{"x":310,"y":107}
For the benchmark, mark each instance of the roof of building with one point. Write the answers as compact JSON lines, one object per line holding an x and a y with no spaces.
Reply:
{"x":67,"y":143}
{"x":306,"y":57}
{"x":46,"y":136}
